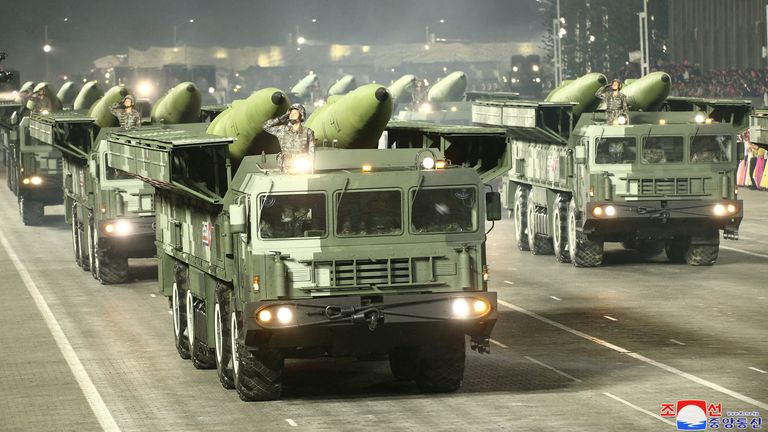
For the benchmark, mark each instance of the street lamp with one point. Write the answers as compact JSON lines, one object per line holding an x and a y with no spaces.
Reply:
{"x":426,"y":30}
{"x":644,"y":49}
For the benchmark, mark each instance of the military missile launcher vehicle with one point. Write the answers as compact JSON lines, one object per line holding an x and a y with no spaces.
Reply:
{"x":8,"y":134}
{"x":351,"y":252}
{"x":654,"y":180}
{"x":445,"y":103}
{"x":344,"y":85}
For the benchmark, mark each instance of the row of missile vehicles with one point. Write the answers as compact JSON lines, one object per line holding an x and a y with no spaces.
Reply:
{"x":374,"y":245}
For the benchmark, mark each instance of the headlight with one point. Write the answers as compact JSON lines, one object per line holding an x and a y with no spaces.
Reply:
{"x":723,"y":210}
{"x":621,"y":120}
{"x":120,"y":227}
{"x":265,"y":316}
{"x":607,"y":211}
{"x":731,"y":208}
{"x":301,"y":164}
{"x":597,"y":211}
{"x":610,"y":210}
{"x":699,"y":118}
{"x":285,"y":315}
{"x":35,"y":180}
{"x":467,"y":308}
{"x":277,"y":315}
{"x":428,"y":163}
{"x":425,"y":108}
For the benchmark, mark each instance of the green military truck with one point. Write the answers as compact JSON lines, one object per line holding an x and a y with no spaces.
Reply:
{"x":758,"y":127}
{"x":350,"y":252}
{"x":110,"y":213}
{"x":34,"y":170}
{"x":8,"y":134}
{"x":663,"y":180}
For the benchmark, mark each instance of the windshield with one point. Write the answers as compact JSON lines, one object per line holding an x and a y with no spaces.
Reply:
{"x":444,"y":210}
{"x":616,"y":150}
{"x":663,"y":150}
{"x":292,"y":216}
{"x":369,"y":213}
{"x":711,"y":148}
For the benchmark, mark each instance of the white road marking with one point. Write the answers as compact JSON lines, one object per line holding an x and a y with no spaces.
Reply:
{"x":757,"y":370}
{"x":152,"y":295}
{"x":555,"y":298}
{"x":553,"y":369}
{"x":676,"y":341}
{"x":89,"y":390}
{"x":744,"y":251}
{"x":170,"y":312}
{"x":635,"y":407}
{"x":509,"y":283}
{"x":291,"y":422}
{"x":495,"y":342}
{"x":640,"y":357}
{"x":610,"y":317}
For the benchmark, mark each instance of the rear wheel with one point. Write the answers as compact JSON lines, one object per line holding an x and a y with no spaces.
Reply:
{"x":258,"y":374}
{"x":32,"y":212}
{"x":202,"y":357}
{"x":584,"y":252}
{"x":223,"y":338}
{"x":560,"y":229}
{"x":538,"y":244}
{"x":521,"y":218}
{"x":179,"y":310}
{"x":704,"y":253}
{"x":441,"y":366}
{"x":81,"y":258}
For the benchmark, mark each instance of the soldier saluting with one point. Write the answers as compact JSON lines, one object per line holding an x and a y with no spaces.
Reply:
{"x":615,"y":101}
{"x":126,"y":113}
{"x":294,"y":137}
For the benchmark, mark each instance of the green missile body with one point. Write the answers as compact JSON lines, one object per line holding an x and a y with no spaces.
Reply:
{"x":100,"y":111}
{"x":649,"y":92}
{"x":303,"y":88}
{"x":449,"y":89}
{"x":244,"y":119}
{"x":67,"y":94}
{"x":89,"y":94}
{"x":557,"y":89}
{"x":400,"y":89}
{"x":346,"y":84}
{"x":180,"y":105}
{"x":581,"y":91}
{"x":355,"y":120}
{"x":24,"y":92}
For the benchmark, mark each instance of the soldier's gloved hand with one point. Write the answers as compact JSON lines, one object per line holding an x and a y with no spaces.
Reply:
{"x":284,"y":118}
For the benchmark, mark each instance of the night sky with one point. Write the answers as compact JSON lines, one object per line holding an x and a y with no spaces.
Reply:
{"x":95,"y":29}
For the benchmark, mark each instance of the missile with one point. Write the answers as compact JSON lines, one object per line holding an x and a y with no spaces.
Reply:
{"x":100,"y":110}
{"x":89,"y":94}
{"x":180,"y":105}
{"x":346,"y":84}
{"x":356,"y":120}
{"x":55,"y":103}
{"x":303,"y":88}
{"x":243,"y":121}
{"x":25,"y":92}
{"x":400,"y":89}
{"x":67,"y":94}
{"x":649,"y":92}
{"x":581,"y":91}
{"x":449,"y":89}
{"x":557,"y":89}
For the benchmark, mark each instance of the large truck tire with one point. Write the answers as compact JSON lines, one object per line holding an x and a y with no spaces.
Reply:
{"x":81,"y":259}
{"x":521,"y":218}
{"x":404,"y":363}
{"x":584,"y":252}
{"x":32,"y":212}
{"x":702,"y":254}
{"x":258,"y":375}
{"x":222,"y":333}
{"x":560,"y":229}
{"x":111,"y":268}
{"x":202,"y":357}
{"x":675,"y":250}
{"x":179,"y":313}
{"x":441,"y":366}
{"x":538,"y":244}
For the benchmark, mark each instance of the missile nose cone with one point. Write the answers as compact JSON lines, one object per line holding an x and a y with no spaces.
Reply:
{"x":665,"y":78}
{"x":191,"y":88}
{"x":123,"y":92}
{"x":462,"y":77}
{"x":601,"y":79}
{"x":278,"y":98}
{"x":382,"y":94}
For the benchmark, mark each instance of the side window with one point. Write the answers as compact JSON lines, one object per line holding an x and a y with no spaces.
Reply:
{"x":662,"y":150}
{"x":711,"y":148}
{"x":292,"y":216}
{"x":368,"y":213}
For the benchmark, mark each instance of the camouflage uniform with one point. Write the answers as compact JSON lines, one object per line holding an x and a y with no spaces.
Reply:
{"x":615,"y":104}
{"x":292,"y":141}
{"x":40,"y":103}
{"x":128,"y":119}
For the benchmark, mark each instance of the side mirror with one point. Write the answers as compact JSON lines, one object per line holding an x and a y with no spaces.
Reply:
{"x":94,"y":169}
{"x":580,"y":154}
{"x":237,"y":218}
{"x":739,"y":150}
{"x":492,"y":206}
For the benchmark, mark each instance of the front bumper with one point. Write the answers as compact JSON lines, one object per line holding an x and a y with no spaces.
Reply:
{"x":49,"y":192}
{"x":401,"y":320}
{"x":138,"y":243}
{"x":663,"y":219}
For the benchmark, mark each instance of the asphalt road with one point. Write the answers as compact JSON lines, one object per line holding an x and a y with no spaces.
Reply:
{"x":575,"y":349}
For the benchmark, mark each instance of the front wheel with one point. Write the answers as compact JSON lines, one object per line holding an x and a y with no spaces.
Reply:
{"x":258,"y":374}
{"x":521,"y":218}
{"x":441,"y":366}
{"x":222,"y":333}
{"x":560,"y":229}
{"x":702,"y":254}
{"x":107,"y":267}
{"x":584,"y":252}
{"x":32,"y":212}
{"x":404,"y":363}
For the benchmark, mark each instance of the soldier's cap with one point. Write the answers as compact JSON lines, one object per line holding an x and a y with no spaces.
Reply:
{"x":129,"y":96}
{"x":300,"y":108}
{"x":39,"y":87}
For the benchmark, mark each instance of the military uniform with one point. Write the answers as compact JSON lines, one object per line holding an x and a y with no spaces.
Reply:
{"x":615,"y":104}
{"x":654,"y":155}
{"x":128,"y":119}
{"x":41,"y":103}
{"x":292,"y":141}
